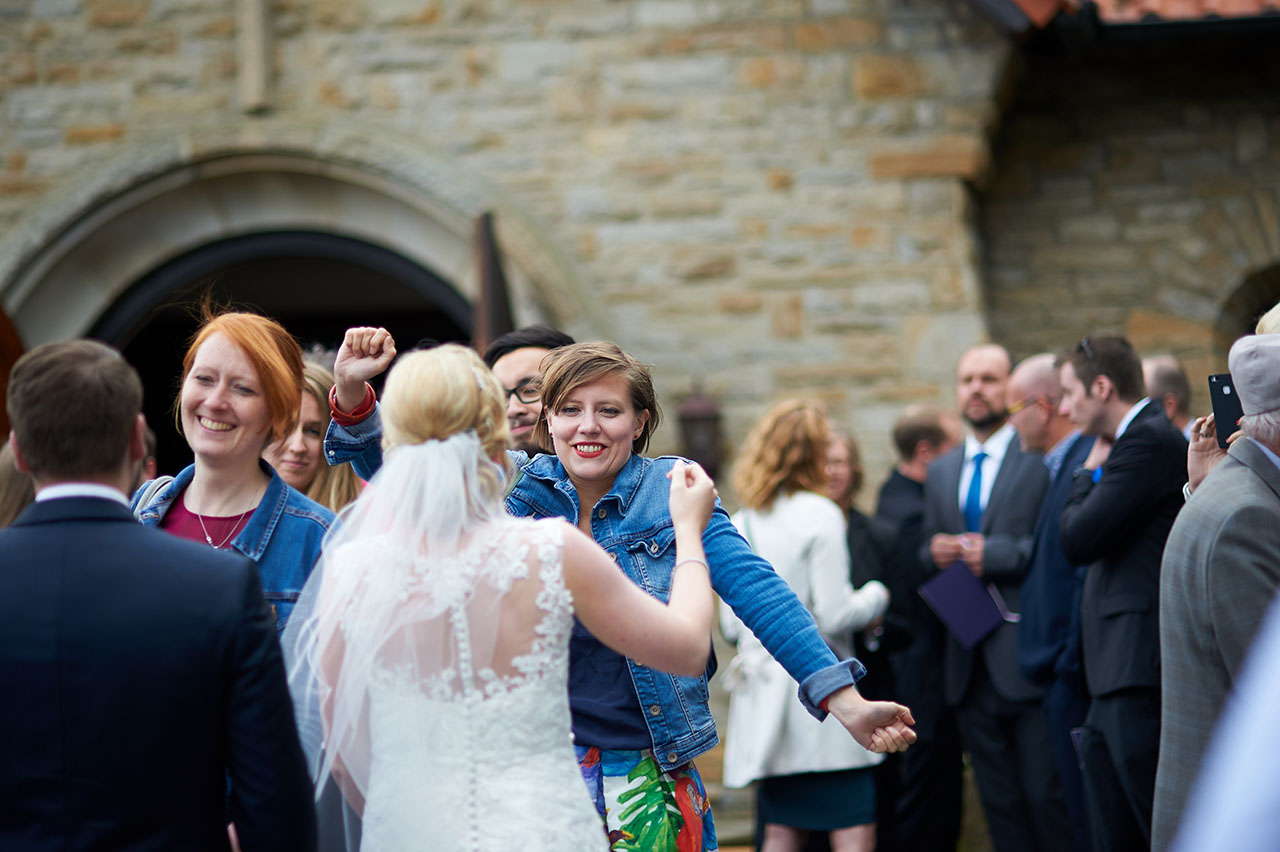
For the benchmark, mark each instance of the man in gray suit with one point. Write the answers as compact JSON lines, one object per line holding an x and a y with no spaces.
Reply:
{"x":981,"y":505}
{"x":1221,"y":567}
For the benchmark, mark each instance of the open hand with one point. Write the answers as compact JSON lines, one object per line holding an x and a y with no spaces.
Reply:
{"x":365,"y":352}
{"x":944,"y":549}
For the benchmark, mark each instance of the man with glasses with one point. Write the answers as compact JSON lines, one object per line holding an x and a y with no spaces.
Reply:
{"x":515,"y":359}
{"x":981,"y":501}
{"x":1048,"y":635}
{"x":1116,"y":519}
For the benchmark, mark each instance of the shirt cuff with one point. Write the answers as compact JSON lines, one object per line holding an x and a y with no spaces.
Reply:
{"x":819,"y":686}
{"x":355,"y":415}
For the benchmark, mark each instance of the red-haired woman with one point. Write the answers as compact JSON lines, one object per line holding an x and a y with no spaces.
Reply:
{"x":241,"y":382}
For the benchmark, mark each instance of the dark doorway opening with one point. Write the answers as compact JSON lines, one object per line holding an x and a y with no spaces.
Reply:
{"x":317,"y":285}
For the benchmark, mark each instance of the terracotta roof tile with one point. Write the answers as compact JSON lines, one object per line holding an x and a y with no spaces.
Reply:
{"x":1134,"y":11}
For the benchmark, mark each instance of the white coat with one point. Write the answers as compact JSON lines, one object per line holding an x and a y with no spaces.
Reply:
{"x":769,"y":732}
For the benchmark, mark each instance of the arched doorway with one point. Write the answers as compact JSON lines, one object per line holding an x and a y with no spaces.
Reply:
{"x":315,"y":284}
{"x":1256,"y":295}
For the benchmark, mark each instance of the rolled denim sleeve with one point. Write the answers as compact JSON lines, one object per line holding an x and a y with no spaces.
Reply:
{"x":770,"y":609}
{"x":359,"y":443}
{"x":823,"y":682}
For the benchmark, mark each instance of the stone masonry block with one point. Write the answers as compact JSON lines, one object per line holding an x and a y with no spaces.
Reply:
{"x":879,"y":76}
{"x":87,"y":134}
{"x":837,"y":33}
{"x":111,"y":14}
{"x":944,"y":156}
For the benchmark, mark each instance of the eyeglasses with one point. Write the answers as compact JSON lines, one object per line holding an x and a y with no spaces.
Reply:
{"x":529,"y":391}
{"x":1015,"y":407}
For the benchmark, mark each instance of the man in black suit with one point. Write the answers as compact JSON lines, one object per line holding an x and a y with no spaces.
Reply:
{"x":1049,"y":632}
{"x":981,"y":502}
{"x":142,"y":671}
{"x":927,"y":811}
{"x":1122,"y":504}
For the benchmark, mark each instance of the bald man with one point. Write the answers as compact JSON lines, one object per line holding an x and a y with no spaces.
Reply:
{"x":1167,"y":384}
{"x":1049,"y":633}
{"x":981,"y":504}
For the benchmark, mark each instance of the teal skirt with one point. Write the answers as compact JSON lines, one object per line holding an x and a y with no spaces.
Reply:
{"x":818,"y":801}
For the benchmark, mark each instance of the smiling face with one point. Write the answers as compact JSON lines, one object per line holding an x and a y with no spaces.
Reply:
{"x":224,"y":415}
{"x":296,"y":457}
{"x":513,"y":371}
{"x":592,"y":431}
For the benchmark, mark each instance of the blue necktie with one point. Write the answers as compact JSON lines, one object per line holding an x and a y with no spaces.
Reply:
{"x":973,"y":500}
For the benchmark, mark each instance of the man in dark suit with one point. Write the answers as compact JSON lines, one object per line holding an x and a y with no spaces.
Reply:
{"x":142,"y":671}
{"x":1220,"y":570}
{"x":1049,"y":632}
{"x":981,"y":502}
{"x":927,"y":811}
{"x":1117,"y":517}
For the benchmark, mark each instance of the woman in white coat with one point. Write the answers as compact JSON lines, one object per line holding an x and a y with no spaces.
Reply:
{"x":812,"y":776}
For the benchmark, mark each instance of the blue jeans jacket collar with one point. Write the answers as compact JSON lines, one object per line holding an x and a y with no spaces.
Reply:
{"x":626,"y":485}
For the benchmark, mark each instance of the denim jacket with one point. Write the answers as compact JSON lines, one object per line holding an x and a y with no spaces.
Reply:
{"x":283,"y":536}
{"x":633,"y":525}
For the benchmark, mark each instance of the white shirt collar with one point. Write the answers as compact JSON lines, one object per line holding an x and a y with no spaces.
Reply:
{"x":995,"y":447}
{"x":81,"y":489}
{"x":1128,"y":417}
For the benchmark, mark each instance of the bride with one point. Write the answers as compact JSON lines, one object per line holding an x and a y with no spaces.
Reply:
{"x":428,"y":654}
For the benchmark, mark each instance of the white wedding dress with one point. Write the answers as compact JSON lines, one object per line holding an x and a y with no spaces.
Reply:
{"x":430,"y":682}
{"x":482,"y":758}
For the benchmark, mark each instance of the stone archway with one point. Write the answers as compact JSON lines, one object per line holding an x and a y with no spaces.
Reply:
{"x":80,"y":250}
{"x":1256,"y":295}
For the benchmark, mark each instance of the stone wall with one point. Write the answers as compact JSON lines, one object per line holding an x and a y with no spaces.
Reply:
{"x":1136,"y":192}
{"x":768,"y":195}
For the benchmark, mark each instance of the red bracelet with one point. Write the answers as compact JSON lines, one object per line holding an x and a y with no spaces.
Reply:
{"x":357,"y":414}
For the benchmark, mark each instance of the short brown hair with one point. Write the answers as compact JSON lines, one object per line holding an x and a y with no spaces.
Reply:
{"x":785,"y":452}
{"x":1107,"y":355}
{"x":73,"y":405}
{"x":274,"y":354}
{"x":915,"y":425}
{"x":568,"y":368}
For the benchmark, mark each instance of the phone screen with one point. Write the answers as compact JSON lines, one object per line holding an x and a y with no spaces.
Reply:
{"x":1226,"y":406}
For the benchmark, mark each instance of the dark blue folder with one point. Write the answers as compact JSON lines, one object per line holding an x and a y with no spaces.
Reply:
{"x":963,"y":603}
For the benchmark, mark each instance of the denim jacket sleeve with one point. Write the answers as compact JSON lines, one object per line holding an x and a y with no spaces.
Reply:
{"x":360,"y":444}
{"x":768,"y":607}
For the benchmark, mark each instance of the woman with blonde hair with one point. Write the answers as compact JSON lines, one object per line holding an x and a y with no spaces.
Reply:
{"x":17,"y":491}
{"x":811,"y":776}
{"x":299,"y":456}
{"x":433,"y":640}
{"x":241,"y":381}
{"x":636,"y":730}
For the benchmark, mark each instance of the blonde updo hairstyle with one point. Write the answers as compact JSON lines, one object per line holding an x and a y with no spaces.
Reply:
{"x":436,"y":393}
{"x":785,"y":452}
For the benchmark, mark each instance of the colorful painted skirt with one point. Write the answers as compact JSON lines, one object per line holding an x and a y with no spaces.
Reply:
{"x":645,"y":809}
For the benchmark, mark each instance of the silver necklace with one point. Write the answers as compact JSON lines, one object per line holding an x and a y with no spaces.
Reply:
{"x":209,"y":538}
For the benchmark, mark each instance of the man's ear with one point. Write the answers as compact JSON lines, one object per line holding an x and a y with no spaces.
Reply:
{"x":138,"y":439}
{"x":1103,"y":389}
{"x":18,"y":460}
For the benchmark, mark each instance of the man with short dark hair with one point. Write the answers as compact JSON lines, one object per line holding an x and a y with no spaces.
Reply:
{"x":1116,"y":519}
{"x":1167,"y":384}
{"x":144,"y":670}
{"x":1220,"y":570}
{"x":515,"y":359}
{"x":928,"y":807}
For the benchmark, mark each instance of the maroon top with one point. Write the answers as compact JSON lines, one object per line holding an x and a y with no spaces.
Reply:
{"x":184,"y":523}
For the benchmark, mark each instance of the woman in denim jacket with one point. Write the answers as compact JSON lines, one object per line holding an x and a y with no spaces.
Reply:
{"x":241,"y":383}
{"x":636,"y":730}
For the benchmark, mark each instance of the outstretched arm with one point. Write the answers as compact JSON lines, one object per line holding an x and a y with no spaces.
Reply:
{"x":673,"y":637}
{"x":879,"y":726}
